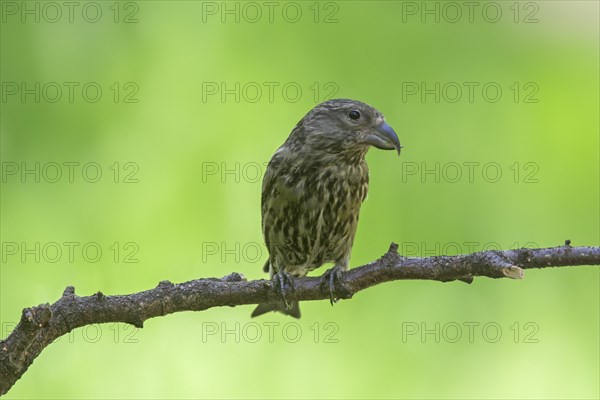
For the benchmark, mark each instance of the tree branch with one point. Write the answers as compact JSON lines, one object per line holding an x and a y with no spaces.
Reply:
{"x":41,"y":325}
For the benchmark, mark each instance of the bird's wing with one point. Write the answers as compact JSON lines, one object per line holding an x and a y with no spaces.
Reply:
{"x":267,"y":189}
{"x":271,"y":185}
{"x":280,"y":194}
{"x":269,"y":179}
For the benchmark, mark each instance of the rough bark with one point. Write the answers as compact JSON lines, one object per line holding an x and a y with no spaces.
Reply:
{"x":39,"y":326}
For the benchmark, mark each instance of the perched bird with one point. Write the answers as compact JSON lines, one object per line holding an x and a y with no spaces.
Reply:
{"x":312,"y":191}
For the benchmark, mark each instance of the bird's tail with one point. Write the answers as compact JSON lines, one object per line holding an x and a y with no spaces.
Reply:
{"x":293,"y":311}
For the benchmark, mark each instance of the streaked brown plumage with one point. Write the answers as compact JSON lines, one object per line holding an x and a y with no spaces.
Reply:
{"x":313,"y":189}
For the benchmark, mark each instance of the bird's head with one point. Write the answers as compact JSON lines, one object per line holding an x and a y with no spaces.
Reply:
{"x":343,"y":127}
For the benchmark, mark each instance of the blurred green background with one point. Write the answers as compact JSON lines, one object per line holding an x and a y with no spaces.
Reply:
{"x":180,"y":191}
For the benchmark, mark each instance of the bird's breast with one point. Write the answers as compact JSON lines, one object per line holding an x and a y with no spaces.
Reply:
{"x":311,"y":215}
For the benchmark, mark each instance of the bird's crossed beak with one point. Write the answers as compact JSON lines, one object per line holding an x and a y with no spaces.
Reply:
{"x":384,"y":137}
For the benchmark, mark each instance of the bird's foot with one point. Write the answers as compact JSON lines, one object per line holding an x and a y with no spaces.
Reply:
{"x":283,"y":281}
{"x":332,"y":279}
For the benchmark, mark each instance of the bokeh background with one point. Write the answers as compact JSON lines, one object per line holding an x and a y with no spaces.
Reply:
{"x":181,"y":150}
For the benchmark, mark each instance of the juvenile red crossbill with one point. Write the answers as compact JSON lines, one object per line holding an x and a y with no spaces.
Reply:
{"x":312,"y":191}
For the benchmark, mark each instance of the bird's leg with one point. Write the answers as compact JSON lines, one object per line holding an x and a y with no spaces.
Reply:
{"x":282,"y":279}
{"x":332,"y":279}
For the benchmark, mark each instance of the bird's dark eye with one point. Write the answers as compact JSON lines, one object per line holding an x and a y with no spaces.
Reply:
{"x":354,"y":114}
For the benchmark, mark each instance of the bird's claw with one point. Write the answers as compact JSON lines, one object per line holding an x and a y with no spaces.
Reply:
{"x":282,"y":279}
{"x":332,"y":279}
